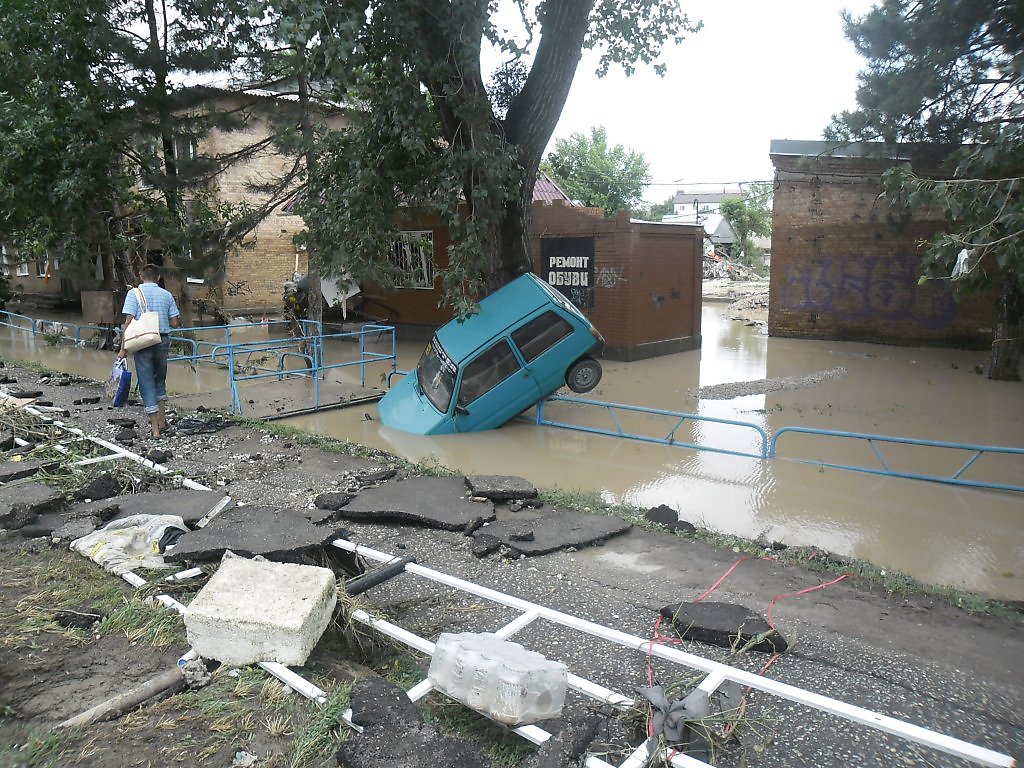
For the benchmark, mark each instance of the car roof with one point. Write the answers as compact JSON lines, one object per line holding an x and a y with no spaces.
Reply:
{"x":505,"y":307}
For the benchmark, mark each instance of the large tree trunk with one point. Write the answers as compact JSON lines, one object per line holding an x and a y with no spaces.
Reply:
{"x":1004,"y":364}
{"x":528,"y":124}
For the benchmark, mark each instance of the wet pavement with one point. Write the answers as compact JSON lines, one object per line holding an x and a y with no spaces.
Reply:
{"x":966,"y":538}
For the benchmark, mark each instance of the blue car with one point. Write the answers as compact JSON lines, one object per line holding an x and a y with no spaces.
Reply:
{"x":526,"y":341}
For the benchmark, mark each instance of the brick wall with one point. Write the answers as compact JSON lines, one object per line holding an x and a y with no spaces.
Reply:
{"x":256,"y":272}
{"x":646,"y":296}
{"x":845,"y":267}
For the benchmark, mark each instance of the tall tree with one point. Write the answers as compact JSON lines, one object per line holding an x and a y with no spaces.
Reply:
{"x":749,"y":216}
{"x":597,"y":175}
{"x":105,"y":108}
{"x":950,"y":72}
{"x":433,"y":139}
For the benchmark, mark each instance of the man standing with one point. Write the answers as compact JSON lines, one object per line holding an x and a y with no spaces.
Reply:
{"x":151,"y":362}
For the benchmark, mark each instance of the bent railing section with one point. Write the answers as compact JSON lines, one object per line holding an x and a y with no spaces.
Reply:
{"x":886,"y":467}
{"x":676,"y":419}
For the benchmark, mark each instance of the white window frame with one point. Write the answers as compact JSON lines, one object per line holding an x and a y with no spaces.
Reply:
{"x":5,"y":264}
{"x":189,"y":143}
{"x":413,"y":253}
{"x":20,"y":266}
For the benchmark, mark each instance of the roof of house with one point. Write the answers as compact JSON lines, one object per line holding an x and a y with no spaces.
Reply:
{"x":707,"y":195}
{"x":546,"y":190}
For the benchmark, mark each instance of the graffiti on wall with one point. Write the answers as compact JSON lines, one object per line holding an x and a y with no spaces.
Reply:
{"x":609,"y":277}
{"x":875,"y":288}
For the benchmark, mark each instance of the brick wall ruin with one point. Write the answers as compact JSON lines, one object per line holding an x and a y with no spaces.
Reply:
{"x":844,"y":266}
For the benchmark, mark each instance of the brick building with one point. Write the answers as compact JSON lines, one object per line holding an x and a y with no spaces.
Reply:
{"x":846,"y":266}
{"x":638,"y":282}
{"x":255,"y":272}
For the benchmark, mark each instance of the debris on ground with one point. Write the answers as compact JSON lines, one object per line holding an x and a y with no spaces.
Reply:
{"x":726,"y":625}
{"x":383,"y":710}
{"x":257,"y":610}
{"x":437,"y":502}
{"x":733,"y":389}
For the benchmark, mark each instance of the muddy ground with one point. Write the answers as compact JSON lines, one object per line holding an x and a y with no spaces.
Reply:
{"x":908,"y":655}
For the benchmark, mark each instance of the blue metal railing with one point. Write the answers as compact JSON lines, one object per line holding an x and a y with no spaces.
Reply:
{"x":238,"y":357}
{"x":680,"y":417}
{"x":953,"y":478}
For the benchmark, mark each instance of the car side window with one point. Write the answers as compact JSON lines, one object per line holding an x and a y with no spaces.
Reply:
{"x":540,"y":334}
{"x":490,"y":368}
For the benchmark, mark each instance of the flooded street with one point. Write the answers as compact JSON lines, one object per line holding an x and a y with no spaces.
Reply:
{"x":968,"y":538}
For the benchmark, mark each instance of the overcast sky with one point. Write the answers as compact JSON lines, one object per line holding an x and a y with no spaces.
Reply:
{"x":757,"y":71}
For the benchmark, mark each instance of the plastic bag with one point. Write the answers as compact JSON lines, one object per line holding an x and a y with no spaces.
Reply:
{"x":119,"y":384}
{"x":129,"y":543}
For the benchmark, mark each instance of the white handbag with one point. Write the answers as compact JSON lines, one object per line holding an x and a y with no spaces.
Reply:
{"x":143,"y":331}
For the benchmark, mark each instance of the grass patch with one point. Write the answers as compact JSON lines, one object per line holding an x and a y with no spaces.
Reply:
{"x":55,"y":579}
{"x":40,"y":751}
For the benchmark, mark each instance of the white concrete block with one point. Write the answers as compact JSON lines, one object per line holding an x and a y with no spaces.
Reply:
{"x":255,"y":610}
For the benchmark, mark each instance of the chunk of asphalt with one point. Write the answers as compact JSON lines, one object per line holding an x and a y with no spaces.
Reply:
{"x":78,"y":617}
{"x":557,"y":529}
{"x":665,"y":515}
{"x":726,"y":625}
{"x":121,"y":422}
{"x":191,"y":506}
{"x":500,"y":487}
{"x":568,"y":747}
{"x":75,"y":529}
{"x":283,"y":535}
{"x":50,"y":524}
{"x":104,"y":486}
{"x":16,"y":470}
{"x":484,"y":544}
{"x":379,"y":708}
{"x":438,"y":502}
{"x":20,"y":504}
{"x":159,"y":455}
{"x":25,"y":394}
{"x":332,"y":500}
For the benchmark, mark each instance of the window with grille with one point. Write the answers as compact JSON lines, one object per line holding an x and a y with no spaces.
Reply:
{"x":413,"y":254}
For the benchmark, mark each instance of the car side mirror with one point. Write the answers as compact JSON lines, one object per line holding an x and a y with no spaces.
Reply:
{"x":461,"y":410}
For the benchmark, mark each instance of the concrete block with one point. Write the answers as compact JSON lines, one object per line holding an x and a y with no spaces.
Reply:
{"x":257,"y":610}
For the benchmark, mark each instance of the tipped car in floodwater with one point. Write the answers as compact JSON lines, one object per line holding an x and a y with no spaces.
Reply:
{"x":525,"y":342}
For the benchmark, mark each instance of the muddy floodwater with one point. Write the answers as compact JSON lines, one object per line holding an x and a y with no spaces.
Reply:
{"x":964,"y":537}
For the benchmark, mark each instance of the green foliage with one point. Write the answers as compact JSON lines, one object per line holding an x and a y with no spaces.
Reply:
{"x":656,"y":211}
{"x":948,"y":72}
{"x":937,"y":70}
{"x":432,"y":141}
{"x":597,"y":175}
{"x":749,"y":216}
{"x":101,"y":112}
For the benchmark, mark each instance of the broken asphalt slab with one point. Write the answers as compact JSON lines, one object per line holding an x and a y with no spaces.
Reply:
{"x":551,"y":530}
{"x":382,"y":710}
{"x":438,"y":502}
{"x":284,"y":535}
{"x":726,"y":625}
{"x":16,"y":470}
{"x":84,"y":517}
{"x":501,"y":487}
{"x":20,"y":504}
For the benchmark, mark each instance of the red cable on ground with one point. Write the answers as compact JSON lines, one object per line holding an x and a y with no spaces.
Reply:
{"x":723,"y":577}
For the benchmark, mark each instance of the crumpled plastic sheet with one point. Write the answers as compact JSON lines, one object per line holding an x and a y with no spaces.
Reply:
{"x":670,"y":717}
{"x":129,"y":543}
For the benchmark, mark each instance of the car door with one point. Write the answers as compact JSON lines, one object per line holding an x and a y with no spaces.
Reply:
{"x":493,"y":388}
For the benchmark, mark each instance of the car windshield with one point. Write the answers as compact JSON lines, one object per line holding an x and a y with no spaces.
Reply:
{"x":435,"y":374}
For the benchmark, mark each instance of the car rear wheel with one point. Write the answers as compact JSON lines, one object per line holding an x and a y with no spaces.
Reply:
{"x":584,"y":375}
